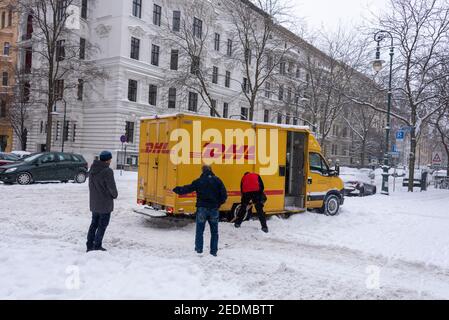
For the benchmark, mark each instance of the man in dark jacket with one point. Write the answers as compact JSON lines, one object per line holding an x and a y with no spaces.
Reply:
{"x":102,"y":192}
{"x":252,"y":189}
{"x":210,"y":195}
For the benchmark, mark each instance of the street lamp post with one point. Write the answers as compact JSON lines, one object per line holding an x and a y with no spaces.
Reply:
{"x":377,"y":66}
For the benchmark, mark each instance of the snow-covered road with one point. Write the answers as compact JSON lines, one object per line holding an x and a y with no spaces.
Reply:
{"x":378,"y":247}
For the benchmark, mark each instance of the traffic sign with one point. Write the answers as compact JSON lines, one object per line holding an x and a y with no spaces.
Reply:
{"x":437,"y":158}
{"x":400,"y":135}
{"x":123,"y":139}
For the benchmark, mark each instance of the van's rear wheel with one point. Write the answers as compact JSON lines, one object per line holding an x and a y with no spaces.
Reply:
{"x":331,"y":205}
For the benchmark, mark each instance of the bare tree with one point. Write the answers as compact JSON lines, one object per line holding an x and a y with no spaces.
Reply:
{"x":261,"y":45}
{"x":193,"y":65}
{"x":420,"y":29}
{"x":19,"y":108}
{"x":330,"y":75}
{"x":61,"y":56}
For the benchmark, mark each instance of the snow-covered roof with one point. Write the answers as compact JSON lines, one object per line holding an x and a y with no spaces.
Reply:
{"x":175,"y":115}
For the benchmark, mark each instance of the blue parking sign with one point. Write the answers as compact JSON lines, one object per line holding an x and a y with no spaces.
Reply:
{"x":400,"y":135}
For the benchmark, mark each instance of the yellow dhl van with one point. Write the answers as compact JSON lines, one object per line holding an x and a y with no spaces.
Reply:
{"x":174,"y":147}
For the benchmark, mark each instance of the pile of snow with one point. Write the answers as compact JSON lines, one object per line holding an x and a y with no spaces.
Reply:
{"x":378,"y":247}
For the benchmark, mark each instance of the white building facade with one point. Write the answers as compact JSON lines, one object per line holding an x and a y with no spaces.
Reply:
{"x":138,"y":62}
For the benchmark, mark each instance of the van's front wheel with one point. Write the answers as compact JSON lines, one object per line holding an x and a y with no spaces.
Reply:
{"x":331,"y":205}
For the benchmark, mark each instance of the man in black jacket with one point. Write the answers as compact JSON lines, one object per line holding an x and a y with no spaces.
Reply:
{"x":210,"y":195}
{"x":102,"y":192}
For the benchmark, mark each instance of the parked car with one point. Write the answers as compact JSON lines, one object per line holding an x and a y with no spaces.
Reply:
{"x":369,"y":172}
{"x":7,"y":158}
{"x":416,"y":179}
{"x":46,"y":166}
{"x":357,"y":183}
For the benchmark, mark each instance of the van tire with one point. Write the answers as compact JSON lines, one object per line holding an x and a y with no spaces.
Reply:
{"x":331,"y":206}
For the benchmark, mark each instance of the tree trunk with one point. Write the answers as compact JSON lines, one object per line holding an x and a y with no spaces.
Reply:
{"x":411,"y":166}
{"x":362,"y":155}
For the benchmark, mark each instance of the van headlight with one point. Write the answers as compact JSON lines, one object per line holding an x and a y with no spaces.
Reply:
{"x":11,"y":170}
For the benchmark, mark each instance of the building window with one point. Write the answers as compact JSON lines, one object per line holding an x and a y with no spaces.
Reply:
{"x":197,"y":28}
{"x":82,"y":48}
{"x":60,"y":50}
{"x":137,"y":8}
{"x":155,"y":55}
{"x":244,"y":113}
{"x":213,"y":108}
{"x":80,"y":89}
{"x":65,"y":134}
{"x":282,"y":68}
{"x":193,"y":101}
{"x":3,"y":20}
{"x":174,"y":60}
{"x":74,"y":133}
{"x":281,"y":93}
{"x":267,"y":90}
{"x":172,"y":98}
{"x":176,"y":21}
{"x":129,"y":131}
{"x":135,"y":48}
{"x":248,"y":55}
{"x":10,"y":18}
{"x":229,"y":49}
{"x":279,"y":118}
{"x":3,"y":109}
{"x":5,"y":77}
{"x":295,"y":121}
{"x":29,"y":31}
{"x":152,"y":96}
{"x":41,"y":127}
{"x":6,"y":47}
{"x":59,"y":89}
{"x":215,"y":75}
{"x":195,"y":67}
{"x":266,"y":116}
{"x":217,"y":42}
{"x":269,"y":63}
{"x":60,"y":10}
{"x":228,"y":79}
{"x":334,"y":150}
{"x":245,"y":85}
{"x":132,"y":90}
{"x":28,"y":60}
{"x":157,"y":14}
{"x":84,"y":9}
{"x":287,"y":119}
{"x":298,"y":72}
{"x":289,"y":95}
{"x":226,"y":110}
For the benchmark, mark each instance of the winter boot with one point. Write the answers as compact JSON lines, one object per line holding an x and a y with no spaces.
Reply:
{"x":100,"y":249}
{"x":265,"y":229}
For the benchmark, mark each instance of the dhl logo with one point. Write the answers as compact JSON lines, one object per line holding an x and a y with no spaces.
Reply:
{"x":210,"y":151}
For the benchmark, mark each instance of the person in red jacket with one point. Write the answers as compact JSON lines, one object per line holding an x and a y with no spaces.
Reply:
{"x":252,"y":189}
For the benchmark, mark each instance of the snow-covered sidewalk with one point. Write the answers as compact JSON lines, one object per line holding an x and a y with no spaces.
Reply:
{"x":378,"y":247}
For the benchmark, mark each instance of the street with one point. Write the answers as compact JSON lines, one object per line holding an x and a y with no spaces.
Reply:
{"x":377,"y":248}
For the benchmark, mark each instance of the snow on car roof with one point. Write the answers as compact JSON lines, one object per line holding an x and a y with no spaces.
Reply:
{"x":174,"y":115}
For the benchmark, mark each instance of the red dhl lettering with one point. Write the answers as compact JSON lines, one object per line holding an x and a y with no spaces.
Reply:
{"x":157,"y":148}
{"x":216,"y":151}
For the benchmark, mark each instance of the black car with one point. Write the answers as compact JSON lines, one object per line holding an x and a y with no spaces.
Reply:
{"x":46,"y":166}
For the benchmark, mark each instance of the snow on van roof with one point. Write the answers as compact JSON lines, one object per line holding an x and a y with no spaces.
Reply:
{"x":175,"y":115}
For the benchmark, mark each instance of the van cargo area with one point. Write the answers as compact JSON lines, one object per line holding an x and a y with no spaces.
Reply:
{"x":174,"y":147}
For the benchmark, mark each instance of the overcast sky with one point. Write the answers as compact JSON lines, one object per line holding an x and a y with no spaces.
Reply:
{"x":329,"y":12}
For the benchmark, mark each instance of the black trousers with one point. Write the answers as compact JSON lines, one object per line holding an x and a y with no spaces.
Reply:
{"x":256,"y":199}
{"x":100,"y":222}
